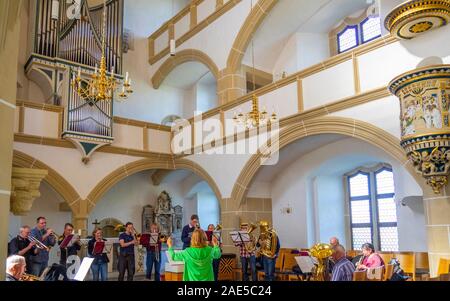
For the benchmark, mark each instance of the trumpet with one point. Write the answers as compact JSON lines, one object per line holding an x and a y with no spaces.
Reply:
{"x":163,"y":238}
{"x":39,"y":244}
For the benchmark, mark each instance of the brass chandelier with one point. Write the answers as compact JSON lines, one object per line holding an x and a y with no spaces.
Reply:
{"x":101,"y":87}
{"x":254,"y":118}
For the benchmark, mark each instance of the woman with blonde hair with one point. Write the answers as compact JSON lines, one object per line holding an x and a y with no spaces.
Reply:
{"x":198,"y":257}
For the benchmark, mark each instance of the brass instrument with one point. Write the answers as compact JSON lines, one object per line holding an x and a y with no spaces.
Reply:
{"x":218,"y":228}
{"x":29,"y":277}
{"x":163,"y":238}
{"x":269,"y":238}
{"x":359,"y":262}
{"x":39,"y":244}
{"x":250,"y":247}
{"x":321,"y":252}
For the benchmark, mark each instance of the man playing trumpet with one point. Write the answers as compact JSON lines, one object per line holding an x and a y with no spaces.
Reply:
{"x":21,"y":245}
{"x":154,"y":254}
{"x":127,"y":242}
{"x":46,"y":236}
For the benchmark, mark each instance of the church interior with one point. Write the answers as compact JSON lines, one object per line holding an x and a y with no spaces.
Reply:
{"x":319,"y":130}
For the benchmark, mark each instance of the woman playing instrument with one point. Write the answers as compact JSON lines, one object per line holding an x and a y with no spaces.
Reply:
{"x":153,"y":255}
{"x":371,"y":259}
{"x":198,"y":257}
{"x":96,"y":249}
{"x":216,"y":262}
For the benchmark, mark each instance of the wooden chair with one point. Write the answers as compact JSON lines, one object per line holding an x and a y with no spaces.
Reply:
{"x":288,"y":265}
{"x":388,"y":272}
{"x":352,"y":253}
{"x":407,"y":262}
{"x":444,"y":266}
{"x":422,"y":264}
{"x":379,"y":272}
{"x":360,"y":276}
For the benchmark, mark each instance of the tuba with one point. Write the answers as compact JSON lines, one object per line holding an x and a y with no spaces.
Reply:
{"x":29,"y":277}
{"x":269,"y":238}
{"x":251,"y":246}
{"x":321,"y":252}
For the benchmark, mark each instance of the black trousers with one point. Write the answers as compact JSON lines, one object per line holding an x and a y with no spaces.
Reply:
{"x":126,"y":262}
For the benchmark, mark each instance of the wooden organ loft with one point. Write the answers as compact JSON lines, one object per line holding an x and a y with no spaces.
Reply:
{"x":67,"y":37}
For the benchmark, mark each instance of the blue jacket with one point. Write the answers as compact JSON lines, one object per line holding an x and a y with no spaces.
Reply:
{"x":186,"y":236}
{"x":42,"y":255}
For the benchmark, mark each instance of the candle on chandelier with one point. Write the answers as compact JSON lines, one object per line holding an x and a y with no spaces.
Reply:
{"x":79,"y":232}
{"x":79,"y":72}
{"x":112,"y":71}
{"x":126,"y":77}
{"x":96,"y":69}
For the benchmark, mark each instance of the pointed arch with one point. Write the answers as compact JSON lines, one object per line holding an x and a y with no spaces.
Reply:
{"x":326,"y":125}
{"x":251,"y":24}
{"x":54,"y":179}
{"x":184,"y":56}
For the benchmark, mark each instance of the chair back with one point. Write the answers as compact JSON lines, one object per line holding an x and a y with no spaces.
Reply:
{"x":353,"y":253}
{"x":444,"y":265}
{"x":386,"y":256}
{"x":388,"y":272}
{"x":375,"y":274}
{"x":279,"y":262}
{"x":360,"y":276}
{"x":407,"y":262}
{"x":422,"y":261}
{"x":289,"y":262}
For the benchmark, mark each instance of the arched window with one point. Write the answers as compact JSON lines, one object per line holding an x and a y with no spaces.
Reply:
{"x":370,"y":29}
{"x":354,"y":32}
{"x":373,"y":212}
{"x":348,"y":38}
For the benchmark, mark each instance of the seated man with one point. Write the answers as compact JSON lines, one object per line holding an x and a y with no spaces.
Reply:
{"x":15,"y":267}
{"x":343,"y":269}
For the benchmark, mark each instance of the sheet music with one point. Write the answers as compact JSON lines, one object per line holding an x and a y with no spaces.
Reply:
{"x":84,"y":268}
{"x":154,"y":237}
{"x":305,"y":263}
{"x":240,"y":237}
{"x":171,"y":261}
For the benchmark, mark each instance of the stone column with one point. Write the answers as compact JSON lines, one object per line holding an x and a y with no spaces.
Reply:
{"x":25,"y":188}
{"x":231,"y":85}
{"x":9,"y":51}
{"x":437,"y":217}
{"x":80,"y":222}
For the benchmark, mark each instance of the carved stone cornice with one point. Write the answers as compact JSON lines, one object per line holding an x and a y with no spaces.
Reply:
{"x":25,"y":188}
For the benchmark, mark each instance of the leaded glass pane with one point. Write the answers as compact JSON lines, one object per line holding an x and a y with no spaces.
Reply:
{"x":385,"y":182}
{"x":361,"y":236}
{"x":348,"y":39}
{"x":360,"y":212}
{"x":359,"y":185}
{"x":389,"y":238}
{"x":387,"y":211}
{"x":371,"y":29}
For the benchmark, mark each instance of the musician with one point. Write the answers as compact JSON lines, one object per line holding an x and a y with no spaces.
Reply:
{"x":343,"y":268}
{"x":99,"y":266}
{"x":15,"y":267}
{"x":216,"y":262}
{"x":268,"y":262}
{"x":188,"y":230}
{"x":154,"y":255}
{"x":70,"y":249}
{"x":334,"y":241}
{"x":47,"y":237}
{"x":247,"y":258}
{"x":22,"y":246}
{"x":197,"y":258}
{"x":371,"y":258}
{"x":127,"y":242}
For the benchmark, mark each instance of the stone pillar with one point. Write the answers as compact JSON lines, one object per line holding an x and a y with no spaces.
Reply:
{"x":231,"y":85}
{"x":252,"y":210}
{"x":80,"y":222}
{"x":9,"y":50}
{"x":437,"y":216}
{"x":25,"y":185}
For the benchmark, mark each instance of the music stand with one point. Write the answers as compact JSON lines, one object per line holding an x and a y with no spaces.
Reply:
{"x":240,"y":237}
{"x":171,"y":261}
{"x":84,"y":269}
{"x":99,"y":246}
{"x":305,"y":263}
{"x":154,"y":238}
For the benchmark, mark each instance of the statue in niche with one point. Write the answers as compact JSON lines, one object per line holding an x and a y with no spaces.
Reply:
{"x":164,"y":203}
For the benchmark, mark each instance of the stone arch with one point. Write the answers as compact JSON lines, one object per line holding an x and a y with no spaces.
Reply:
{"x":326,"y":125}
{"x":184,"y":56}
{"x":251,"y":24}
{"x":108,"y":226}
{"x":121,"y":173}
{"x":54,"y":179}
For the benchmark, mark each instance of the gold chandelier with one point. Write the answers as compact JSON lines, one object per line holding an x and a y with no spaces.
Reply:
{"x":254,"y":118}
{"x":101,"y":87}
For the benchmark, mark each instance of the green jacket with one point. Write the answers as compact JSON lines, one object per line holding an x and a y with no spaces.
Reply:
{"x":197,"y":262}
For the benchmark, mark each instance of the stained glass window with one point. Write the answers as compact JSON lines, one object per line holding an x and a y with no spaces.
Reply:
{"x":348,"y":38}
{"x":370,"y":29}
{"x":373,"y":212}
